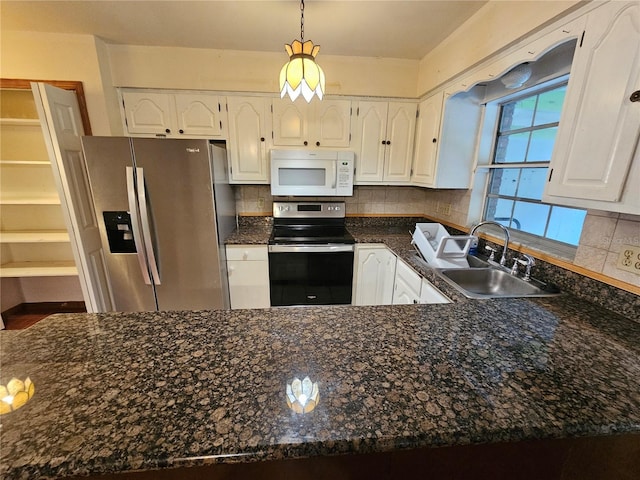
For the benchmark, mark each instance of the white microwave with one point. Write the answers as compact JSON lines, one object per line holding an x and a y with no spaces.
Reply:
{"x":312,"y":173}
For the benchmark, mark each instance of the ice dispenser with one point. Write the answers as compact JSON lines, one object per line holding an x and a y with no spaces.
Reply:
{"x":119,"y":232}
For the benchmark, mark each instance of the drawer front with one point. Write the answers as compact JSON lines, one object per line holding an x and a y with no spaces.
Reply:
{"x":247,"y":252}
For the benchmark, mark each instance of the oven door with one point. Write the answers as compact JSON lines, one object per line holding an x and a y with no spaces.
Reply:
{"x":310,"y":274}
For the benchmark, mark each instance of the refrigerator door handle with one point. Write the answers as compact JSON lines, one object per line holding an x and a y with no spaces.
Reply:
{"x":146,"y":226}
{"x":135,"y":225}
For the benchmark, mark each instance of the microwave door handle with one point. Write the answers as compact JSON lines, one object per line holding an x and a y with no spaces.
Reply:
{"x":334,"y":166}
{"x":146,"y":226}
{"x":135,"y":226}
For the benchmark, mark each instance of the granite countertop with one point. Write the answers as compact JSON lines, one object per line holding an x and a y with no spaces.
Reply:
{"x":139,"y":391}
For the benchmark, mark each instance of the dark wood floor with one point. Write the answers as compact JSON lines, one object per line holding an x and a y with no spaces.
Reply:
{"x":26,"y":315}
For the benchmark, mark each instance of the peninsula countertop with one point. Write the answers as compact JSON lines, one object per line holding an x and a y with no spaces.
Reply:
{"x":123,"y":392}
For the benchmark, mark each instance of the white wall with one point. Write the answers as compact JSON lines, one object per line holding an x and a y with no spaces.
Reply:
{"x":227,"y":70}
{"x":496,"y":26}
{"x":45,"y":56}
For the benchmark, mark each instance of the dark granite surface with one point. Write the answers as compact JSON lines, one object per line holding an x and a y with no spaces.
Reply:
{"x":121,"y":392}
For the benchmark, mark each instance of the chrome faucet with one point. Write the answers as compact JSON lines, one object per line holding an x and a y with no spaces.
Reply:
{"x":503,"y":259}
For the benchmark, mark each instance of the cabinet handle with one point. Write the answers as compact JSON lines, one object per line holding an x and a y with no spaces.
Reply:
{"x":167,"y":130}
{"x":317,"y":144}
{"x":262,"y":139}
{"x":635,"y":96}
{"x":384,"y":142}
{"x":434,"y":140}
{"x":388,"y":142}
{"x":181,"y":131}
{"x":306,"y":143}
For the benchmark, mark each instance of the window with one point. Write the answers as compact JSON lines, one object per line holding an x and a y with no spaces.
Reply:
{"x":527,"y":128}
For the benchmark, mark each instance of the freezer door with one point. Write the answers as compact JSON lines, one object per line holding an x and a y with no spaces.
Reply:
{"x":181,"y":218}
{"x":108,"y":159}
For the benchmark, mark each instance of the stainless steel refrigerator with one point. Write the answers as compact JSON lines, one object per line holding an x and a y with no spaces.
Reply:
{"x":164,"y":207}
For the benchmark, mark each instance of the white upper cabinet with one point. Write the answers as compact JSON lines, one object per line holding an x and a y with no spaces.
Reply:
{"x":595,"y":161}
{"x":427,"y":139}
{"x":249,"y":138}
{"x":195,"y":115}
{"x":384,"y":142}
{"x":446,"y":139}
{"x":316,"y":124}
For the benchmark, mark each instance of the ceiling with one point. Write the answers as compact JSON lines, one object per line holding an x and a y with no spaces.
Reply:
{"x":389,"y":29}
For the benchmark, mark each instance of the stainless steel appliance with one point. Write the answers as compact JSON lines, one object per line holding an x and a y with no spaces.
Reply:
{"x":312,"y":172}
{"x":310,"y":254}
{"x":164,"y":207}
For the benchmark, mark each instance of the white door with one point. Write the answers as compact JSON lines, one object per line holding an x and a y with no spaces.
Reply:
{"x":149,"y":113}
{"x":427,"y":139}
{"x":371,"y":141}
{"x":407,"y":285}
{"x":374,"y":275}
{"x":290,"y":123}
{"x":199,"y":115}
{"x":332,"y":123}
{"x":248,"y":140}
{"x":598,"y":131}
{"x":401,"y":126}
{"x":62,"y":127}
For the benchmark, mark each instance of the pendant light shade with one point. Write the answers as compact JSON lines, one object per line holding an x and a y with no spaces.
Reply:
{"x":301,"y":74}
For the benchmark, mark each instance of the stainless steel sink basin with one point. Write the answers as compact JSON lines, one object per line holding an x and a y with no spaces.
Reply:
{"x":492,"y":282}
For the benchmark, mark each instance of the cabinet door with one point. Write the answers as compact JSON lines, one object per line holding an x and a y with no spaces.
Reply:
{"x":248,"y":272}
{"x":370,"y":148}
{"x":248,"y":150}
{"x":407,"y":284}
{"x":430,"y":294}
{"x":598,"y":130}
{"x":148,"y":113}
{"x":374,"y":275}
{"x":401,"y":124}
{"x":427,"y":140}
{"x":290,"y":123}
{"x":199,"y":115}
{"x":331,"y":123}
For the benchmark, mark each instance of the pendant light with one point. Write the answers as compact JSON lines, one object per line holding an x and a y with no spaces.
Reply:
{"x":301,"y":74}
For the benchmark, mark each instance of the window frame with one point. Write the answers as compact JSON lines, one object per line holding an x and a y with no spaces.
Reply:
{"x":492,"y":119}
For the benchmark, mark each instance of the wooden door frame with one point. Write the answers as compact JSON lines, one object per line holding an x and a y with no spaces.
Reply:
{"x":24,"y":84}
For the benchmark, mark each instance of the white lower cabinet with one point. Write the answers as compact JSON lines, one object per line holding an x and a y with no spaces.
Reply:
{"x":248,"y":272}
{"x":409,"y":287}
{"x":430,"y":294}
{"x":407,"y":284}
{"x":374,"y":273}
{"x":380,"y":278}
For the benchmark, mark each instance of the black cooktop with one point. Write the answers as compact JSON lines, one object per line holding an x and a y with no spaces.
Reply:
{"x":309,"y":223}
{"x":311,"y":234}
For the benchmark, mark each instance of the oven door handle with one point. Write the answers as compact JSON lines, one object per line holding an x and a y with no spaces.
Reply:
{"x":296,"y":248}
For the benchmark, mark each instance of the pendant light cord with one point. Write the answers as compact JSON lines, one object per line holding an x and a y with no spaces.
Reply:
{"x":302,"y":21}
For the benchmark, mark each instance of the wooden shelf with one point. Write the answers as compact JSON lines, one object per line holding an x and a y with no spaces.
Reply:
{"x":41,"y":236}
{"x":38,"y":269}
{"x":30,"y":201}
{"x":34,"y":163}
{"x":21,"y":122}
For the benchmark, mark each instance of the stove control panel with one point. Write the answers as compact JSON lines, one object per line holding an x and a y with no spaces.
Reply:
{"x":308,"y":209}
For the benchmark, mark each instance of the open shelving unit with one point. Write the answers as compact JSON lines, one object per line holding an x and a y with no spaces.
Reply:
{"x":33,"y":238}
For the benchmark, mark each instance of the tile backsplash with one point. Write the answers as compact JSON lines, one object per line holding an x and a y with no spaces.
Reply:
{"x":603,"y":233}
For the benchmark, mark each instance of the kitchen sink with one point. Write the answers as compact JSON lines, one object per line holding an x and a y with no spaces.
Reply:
{"x":492,"y":282}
